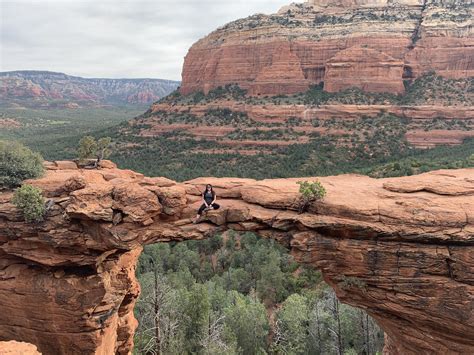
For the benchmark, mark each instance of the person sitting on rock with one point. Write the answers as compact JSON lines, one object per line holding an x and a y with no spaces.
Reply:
{"x":209,"y":198}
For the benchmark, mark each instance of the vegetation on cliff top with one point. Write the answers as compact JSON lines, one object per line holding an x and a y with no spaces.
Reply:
{"x":90,"y":148}
{"x":18,"y":163}
{"x":29,"y":200}
{"x":427,"y":89}
{"x":310,"y":191}
{"x":371,"y":145}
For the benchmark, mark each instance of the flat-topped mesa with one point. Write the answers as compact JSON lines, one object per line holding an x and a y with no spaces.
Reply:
{"x":400,"y":248}
{"x":287,"y":52}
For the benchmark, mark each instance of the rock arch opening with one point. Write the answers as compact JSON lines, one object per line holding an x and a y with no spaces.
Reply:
{"x":252,"y":296}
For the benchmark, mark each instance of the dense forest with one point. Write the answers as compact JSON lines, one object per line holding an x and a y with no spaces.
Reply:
{"x":239,"y":294}
{"x":389,"y":154}
{"x":55,"y":133}
{"x":319,"y":157}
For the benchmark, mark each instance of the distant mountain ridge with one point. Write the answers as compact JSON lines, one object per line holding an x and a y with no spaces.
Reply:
{"x":51,"y":89}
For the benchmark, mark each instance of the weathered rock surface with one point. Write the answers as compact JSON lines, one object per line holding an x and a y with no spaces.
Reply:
{"x":355,"y":67}
{"x":401,"y":248}
{"x":304,"y":44}
{"x":17,"y":348}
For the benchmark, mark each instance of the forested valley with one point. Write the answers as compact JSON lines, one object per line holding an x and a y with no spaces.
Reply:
{"x":240,"y":294}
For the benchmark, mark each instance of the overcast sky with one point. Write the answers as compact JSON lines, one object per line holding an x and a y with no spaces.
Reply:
{"x":113,"y":38}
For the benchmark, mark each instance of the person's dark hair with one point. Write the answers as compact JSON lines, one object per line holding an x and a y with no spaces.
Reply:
{"x":212,"y":190}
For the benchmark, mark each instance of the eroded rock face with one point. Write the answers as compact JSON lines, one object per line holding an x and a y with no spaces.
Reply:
{"x":354,"y":67}
{"x":304,"y":44}
{"x":17,"y":348}
{"x":402,"y":249}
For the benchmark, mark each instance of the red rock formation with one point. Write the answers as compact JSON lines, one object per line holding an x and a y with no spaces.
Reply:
{"x":366,"y":69}
{"x":8,"y":123}
{"x":16,"y":348}
{"x":374,"y":45}
{"x":43,"y":89}
{"x":284,"y":75}
{"x":449,"y":57}
{"x":400,"y":248}
{"x":279,"y":113}
{"x":429,"y":139}
{"x":303,"y":41}
{"x":444,"y":41}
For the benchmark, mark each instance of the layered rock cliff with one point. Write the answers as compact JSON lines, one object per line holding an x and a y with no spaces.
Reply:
{"x":49,"y":89}
{"x":425,"y":125}
{"x":352,"y":75}
{"x":401,"y":248}
{"x":370,"y":44}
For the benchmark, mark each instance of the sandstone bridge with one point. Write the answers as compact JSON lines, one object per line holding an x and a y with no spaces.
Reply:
{"x":406,"y":245}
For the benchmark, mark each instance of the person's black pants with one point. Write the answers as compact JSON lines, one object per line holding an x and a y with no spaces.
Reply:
{"x":203,"y":207}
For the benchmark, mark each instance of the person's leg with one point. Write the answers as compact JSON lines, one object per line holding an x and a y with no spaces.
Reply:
{"x":215,"y":206}
{"x":200,"y":211}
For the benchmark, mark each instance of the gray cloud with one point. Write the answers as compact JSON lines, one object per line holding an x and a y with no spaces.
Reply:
{"x":112,"y":38}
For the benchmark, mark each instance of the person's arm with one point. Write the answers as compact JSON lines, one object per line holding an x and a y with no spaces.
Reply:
{"x":215,"y":198}
{"x":204,"y":200}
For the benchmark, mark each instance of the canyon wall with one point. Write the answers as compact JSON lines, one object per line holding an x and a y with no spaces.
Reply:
{"x":400,"y":248}
{"x":371,"y":44}
{"x":43,"y":89}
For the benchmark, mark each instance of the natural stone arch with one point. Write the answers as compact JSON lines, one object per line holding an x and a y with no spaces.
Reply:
{"x":399,"y":248}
